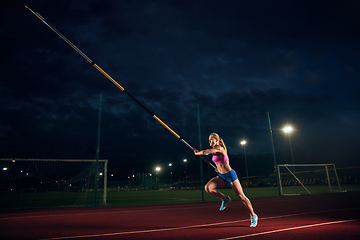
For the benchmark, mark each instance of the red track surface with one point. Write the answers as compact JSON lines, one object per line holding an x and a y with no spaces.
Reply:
{"x":325,"y":216}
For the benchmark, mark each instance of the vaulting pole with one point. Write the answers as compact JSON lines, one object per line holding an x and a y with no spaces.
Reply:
{"x":112,"y":80}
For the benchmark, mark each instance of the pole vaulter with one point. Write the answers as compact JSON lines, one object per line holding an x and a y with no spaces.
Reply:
{"x":112,"y":80}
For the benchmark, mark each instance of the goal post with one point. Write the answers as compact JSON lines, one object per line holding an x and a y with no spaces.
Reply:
{"x":308,"y":177}
{"x":51,"y":183}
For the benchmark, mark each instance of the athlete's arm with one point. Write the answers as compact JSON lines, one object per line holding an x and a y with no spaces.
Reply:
{"x":208,"y":151}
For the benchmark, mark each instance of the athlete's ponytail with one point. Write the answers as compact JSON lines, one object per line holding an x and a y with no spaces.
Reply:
{"x":221,"y":141}
{"x":222,"y":144}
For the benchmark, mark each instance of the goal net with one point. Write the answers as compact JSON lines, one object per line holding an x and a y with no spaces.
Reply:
{"x":307,"y":178}
{"x":49,"y":183}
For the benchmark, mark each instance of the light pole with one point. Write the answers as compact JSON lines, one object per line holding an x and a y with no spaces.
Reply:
{"x":288,"y":130}
{"x":111,"y":178}
{"x":157,"y":179}
{"x":151,"y":182}
{"x":243,"y":143}
{"x":170,"y":165}
{"x":185,"y":161}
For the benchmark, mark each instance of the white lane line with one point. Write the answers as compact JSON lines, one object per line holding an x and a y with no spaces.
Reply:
{"x":145,"y":231}
{"x":104,"y":212}
{"x":151,"y":210}
{"x":289,"y":229}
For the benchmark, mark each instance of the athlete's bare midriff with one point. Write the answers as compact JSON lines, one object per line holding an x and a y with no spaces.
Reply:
{"x":223,"y":167}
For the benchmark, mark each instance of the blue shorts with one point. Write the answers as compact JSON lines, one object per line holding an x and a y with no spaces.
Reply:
{"x":229,"y":177}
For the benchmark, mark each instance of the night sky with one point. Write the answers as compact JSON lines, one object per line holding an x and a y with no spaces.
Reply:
{"x":233,"y":60}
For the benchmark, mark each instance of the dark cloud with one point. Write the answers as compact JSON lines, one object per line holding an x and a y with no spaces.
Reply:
{"x":235,"y":60}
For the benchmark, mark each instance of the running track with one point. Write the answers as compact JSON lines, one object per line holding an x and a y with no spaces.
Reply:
{"x":324,"y":216}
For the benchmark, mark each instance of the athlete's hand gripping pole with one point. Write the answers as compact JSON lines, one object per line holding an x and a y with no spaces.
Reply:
{"x":202,"y":157}
{"x":111,"y":79}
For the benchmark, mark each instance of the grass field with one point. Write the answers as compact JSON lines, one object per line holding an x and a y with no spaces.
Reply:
{"x":177,"y":196}
{"x":15,"y":201}
{"x":187,"y":196}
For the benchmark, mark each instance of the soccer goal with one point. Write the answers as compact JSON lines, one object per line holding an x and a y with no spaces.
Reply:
{"x":307,"y":178}
{"x":49,"y":183}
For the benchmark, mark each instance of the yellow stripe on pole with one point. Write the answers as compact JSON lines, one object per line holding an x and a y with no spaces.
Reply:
{"x":108,"y":76}
{"x":158,"y":119}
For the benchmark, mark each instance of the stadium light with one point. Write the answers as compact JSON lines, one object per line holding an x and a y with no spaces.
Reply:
{"x":288,"y":129}
{"x":157,"y":169}
{"x":5,"y":168}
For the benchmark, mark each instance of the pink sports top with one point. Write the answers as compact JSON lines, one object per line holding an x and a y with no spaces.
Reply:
{"x":219,"y":159}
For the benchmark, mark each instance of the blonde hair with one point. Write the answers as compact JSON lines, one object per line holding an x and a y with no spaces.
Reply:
{"x":221,"y":141}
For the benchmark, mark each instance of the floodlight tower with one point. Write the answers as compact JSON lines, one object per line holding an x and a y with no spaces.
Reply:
{"x":170,"y":165}
{"x":185,"y":161}
{"x":243,"y":143}
{"x":288,"y":130}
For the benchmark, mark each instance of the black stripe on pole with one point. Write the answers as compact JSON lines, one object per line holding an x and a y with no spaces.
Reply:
{"x":133,"y":98}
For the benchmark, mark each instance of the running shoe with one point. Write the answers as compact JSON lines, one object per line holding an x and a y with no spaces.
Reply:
{"x":254,"y":221}
{"x":224,"y":203}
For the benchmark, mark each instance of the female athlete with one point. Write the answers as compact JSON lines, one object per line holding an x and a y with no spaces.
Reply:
{"x":225,"y":175}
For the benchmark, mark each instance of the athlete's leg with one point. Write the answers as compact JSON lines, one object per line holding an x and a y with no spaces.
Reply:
{"x":214,"y":183}
{"x":236,"y":186}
